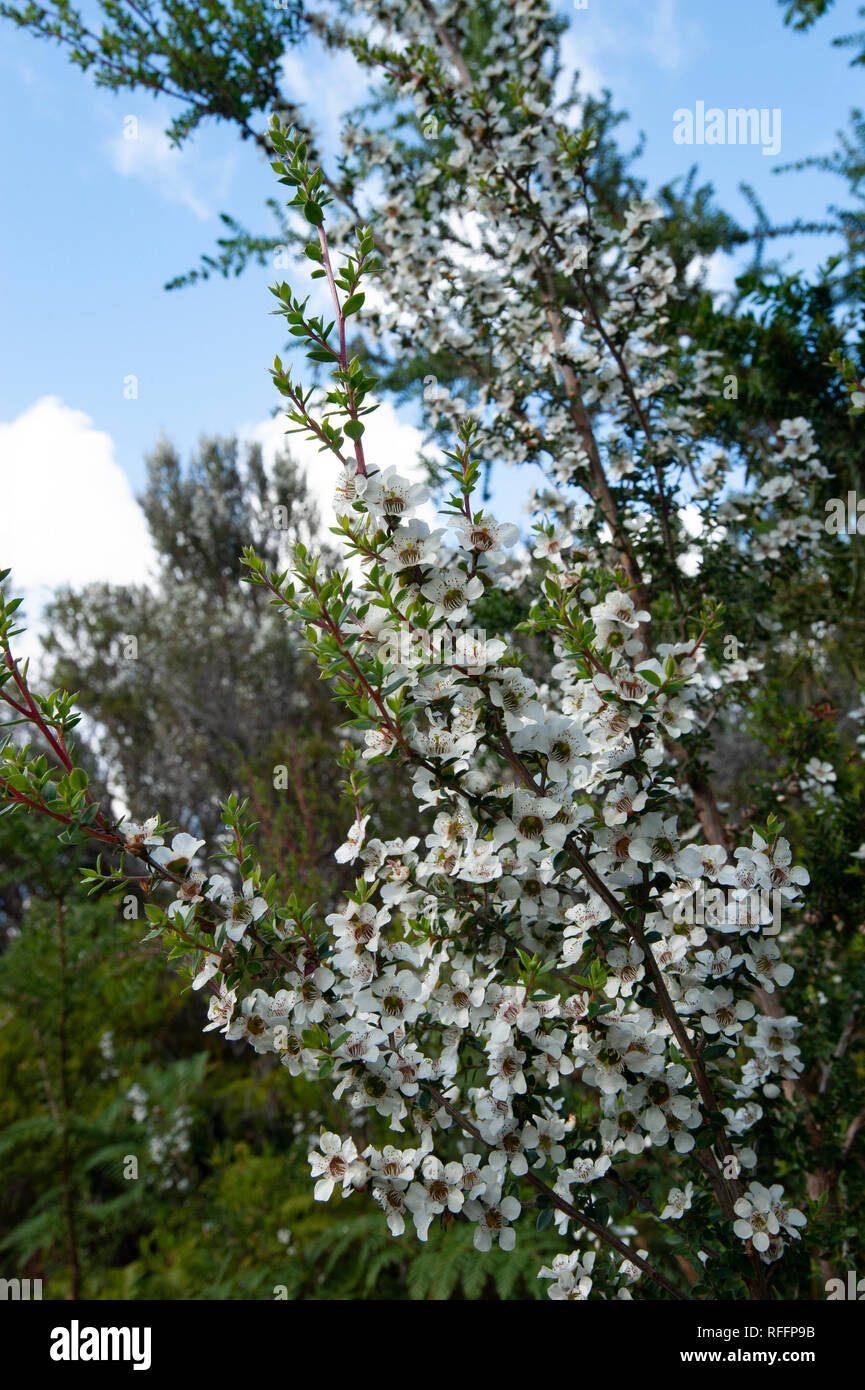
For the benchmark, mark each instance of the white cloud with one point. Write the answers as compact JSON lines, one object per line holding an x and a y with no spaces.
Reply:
{"x":581,"y":45}
{"x":68,"y":515}
{"x":142,"y":150}
{"x":608,"y":46}
{"x":671,"y":40}
{"x":716,"y":273}
{"x":325,"y":84}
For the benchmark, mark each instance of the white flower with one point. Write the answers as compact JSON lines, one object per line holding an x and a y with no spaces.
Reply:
{"x":723,"y":1013}
{"x":250,"y":1024}
{"x":746,"y":873}
{"x":616,"y":619}
{"x":625,"y":970}
{"x":790,"y":1219}
{"x":210,"y":967}
{"x":391,"y":1197}
{"x":775,"y":863}
{"x":765,"y":964}
{"x":534,"y":822}
{"x":348,"y":852}
{"x":457,"y":998}
{"x":394,"y":997}
{"x":350,"y":487}
{"x":506,"y":1069}
{"x":412,"y":544}
{"x":220,"y":1010}
{"x":493,"y":1222}
{"x":337,"y":1163}
{"x":450,"y":592}
{"x":775,"y":487}
{"x":485,"y":535}
{"x":183,"y":850}
{"x":552,"y":546}
{"x":625,"y":799}
{"x":390,"y":494}
{"x":242,"y":910}
{"x":678,"y":1202}
{"x":515,"y":694}
{"x":474,"y":653}
{"x":140,"y":837}
{"x":441,"y":1190}
{"x":718,"y":963}
{"x":714,"y":858}
{"x":581,"y":918}
{"x":479,"y":864}
{"x":565,"y":745}
{"x":820,"y":771}
{"x":573,"y":1282}
{"x":757,"y":1221}
{"x":657,"y":843}
{"x":584,"y":1170}
{"x":511,"y":1012}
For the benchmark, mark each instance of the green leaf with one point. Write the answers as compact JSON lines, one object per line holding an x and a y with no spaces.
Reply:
{"x":352,"y":305}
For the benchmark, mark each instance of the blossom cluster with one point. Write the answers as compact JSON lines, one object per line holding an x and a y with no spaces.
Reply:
{"x":532,"y":931}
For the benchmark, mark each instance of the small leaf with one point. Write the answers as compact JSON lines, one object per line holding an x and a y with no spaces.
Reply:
{"x":352,"y":305}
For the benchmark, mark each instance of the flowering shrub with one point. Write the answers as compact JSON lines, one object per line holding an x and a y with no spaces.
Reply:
{"x":527,"y":988}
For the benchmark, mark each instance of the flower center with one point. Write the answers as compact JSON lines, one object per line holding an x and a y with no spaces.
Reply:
{"x":531,"y":827}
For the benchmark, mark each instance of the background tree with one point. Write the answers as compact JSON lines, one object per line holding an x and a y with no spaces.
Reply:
{"x":193,"y":686}
{"x":803,"y":14}
{"x":218,"y":60}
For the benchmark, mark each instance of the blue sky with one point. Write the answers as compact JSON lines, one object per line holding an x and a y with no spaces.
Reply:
{"x":93,"y":225}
